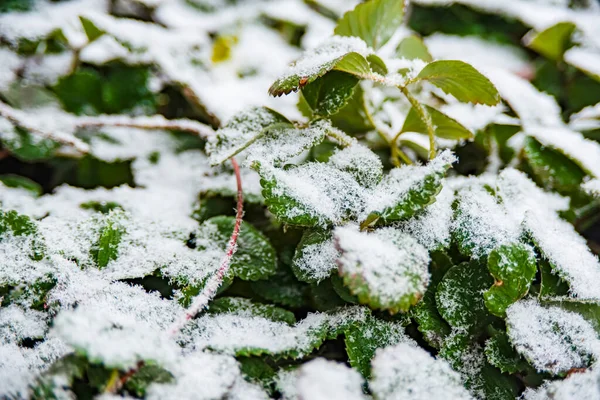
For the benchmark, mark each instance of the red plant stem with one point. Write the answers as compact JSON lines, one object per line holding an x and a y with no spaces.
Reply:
{"x":211,"y":287}
{"x":215,"y":281}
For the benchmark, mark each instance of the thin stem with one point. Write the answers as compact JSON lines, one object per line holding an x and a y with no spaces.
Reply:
{"x":397,"y":152}
{"x":153,"y":122}
{"x":20,"y":118}
{"x":214,"y":283}
{"x":211,"y":287}
{"x":342,"y":138}
{"x":372,"y":122}
{"x":425,"y":117}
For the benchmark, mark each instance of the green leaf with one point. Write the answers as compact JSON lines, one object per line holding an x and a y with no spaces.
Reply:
{"x":374,"y":21}
{"x":458,"y":296}
{"x":350,"y":62}
{"x":385,"y":269}
{"x":256,"y":369}
{"x":193,"y":288}
{"x":363,"y":338}
{"x":551,"y":285}
{"x":255,"y":257}
{"x":445,"y":127}
{"x":513,"y":268}
{"x":106,"y":248}
{"x":338,"y":285}
{"x":329,"y":93}
{"x":588,"y":309}
{"x":32,"y":295}
{"x":315,"y":257}
{"x":103,"y":207}
{"x":407,"y":190}
{"x":322,"y":296}
{"x":413,"y":48}
{"x":552,"y":42}
{"x":460,"y":80}
{"x":429,"y":321}
{"x":283,"y":288}
{"x":81,"y":92}
{"x":502,"y":355}
{"x":16,"y":181}
{"x":552,"y":170}
{"x":243,"y":306}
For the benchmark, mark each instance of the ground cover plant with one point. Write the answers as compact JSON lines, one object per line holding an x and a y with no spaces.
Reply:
{"x":299,"y":199}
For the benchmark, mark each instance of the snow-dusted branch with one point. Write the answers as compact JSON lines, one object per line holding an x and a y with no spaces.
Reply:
{"x":153,"y":122}
{"x":23,"y":120}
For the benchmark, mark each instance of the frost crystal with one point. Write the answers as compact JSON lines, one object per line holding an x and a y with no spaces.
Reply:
{"x":321,"y":379}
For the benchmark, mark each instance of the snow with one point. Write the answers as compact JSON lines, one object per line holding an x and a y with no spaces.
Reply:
{"x":552,"y":339}
{"x":584,"y":59}
{"x":317,"y":261}
{"x":406,"y":371}
{"x":321,"y":379}
{"x":592,"y":187}
{"x":582,"y":385}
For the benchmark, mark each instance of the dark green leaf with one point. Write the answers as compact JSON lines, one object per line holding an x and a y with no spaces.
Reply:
{"x":502,"y":355}
{"x":365,"y":337}
{"x":27,"y":146}
{"x":353,"y":117}
{"x":255,"y":257}
{"x":329,"y":93}
{"x":460,"y":80}
{"x":445,"y":127}
{"x":551,"y":285}
{"x":374,"y":21}
{"x":338,"y":285}
{"x":283,"y":288}
{"x":429,"y":321}
{"x":138,"y":383}
{"x":412,"y":48}
{"x":513,"y":268}
{"x":21,"y":225}
{"x":323,"y":297}
{"x":459,"y":298}
{"x":552,"y":170}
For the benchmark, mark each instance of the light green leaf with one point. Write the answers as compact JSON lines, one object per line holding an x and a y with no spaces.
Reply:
{"x":513,"y":268}
{"x":377,"y":64}
{"x":374,"y":21}
{"x":412,"y":48}
{"x":445,"y":127}
{"x":91,"y":30}
{"x":329,"y":93}
{"x":385,"y":269}
{"x":365,"y":337}
{"x":460,"y":80}
{"x":459,"y":298}
{"x":552,"y":42}
{"x":16,"y":181}
{"x":407,"y":190}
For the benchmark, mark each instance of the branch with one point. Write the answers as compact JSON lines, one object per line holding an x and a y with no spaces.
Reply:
{"x":20,"y":118}
{"x":153,"y":122}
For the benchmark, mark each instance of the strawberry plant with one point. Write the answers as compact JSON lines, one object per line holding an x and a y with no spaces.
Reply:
{"x":302,"y":199}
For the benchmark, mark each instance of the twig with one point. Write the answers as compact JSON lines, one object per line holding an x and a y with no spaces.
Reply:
{"x":425,"y":117}
{"x":153,"y":122}
{"x":19,"y":118}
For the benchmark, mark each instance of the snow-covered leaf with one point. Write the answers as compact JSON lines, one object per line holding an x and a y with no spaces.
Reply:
{"x":459,"y":296}
{"x":345,"y":54}
{"x":245,"y":307}
{"x":327,"y":94}
{"x":385,"y":269}
{"x":551,"y":339}
{"x":406,"y":371}
{"x":106,"y":248}
{"x":502,"y":355}
{"x":375,"y":21}
{"x":316,"y":256}
{"x":322,"y":379}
